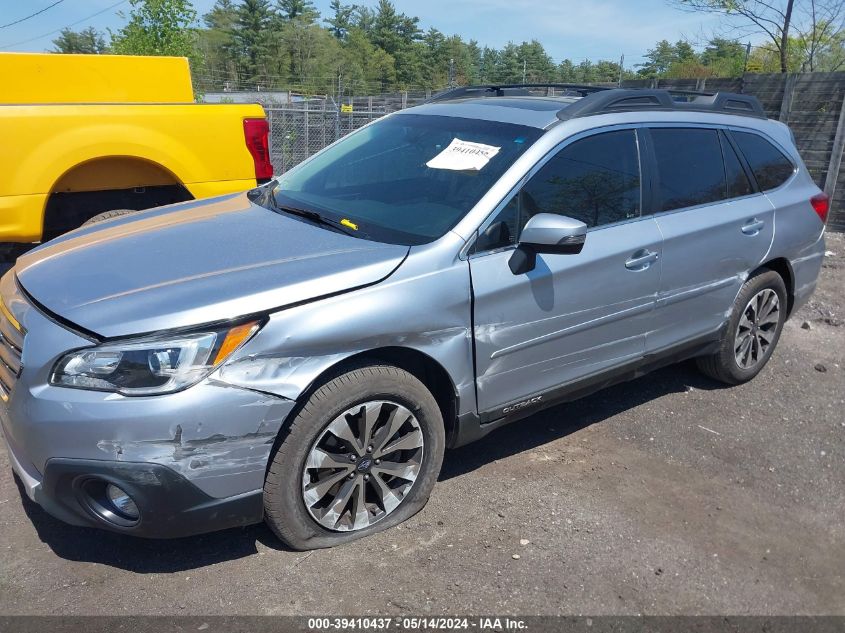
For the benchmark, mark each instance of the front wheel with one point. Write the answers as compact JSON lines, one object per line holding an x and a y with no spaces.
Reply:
{"x":362,"y":455}
{"x":752,"y":331}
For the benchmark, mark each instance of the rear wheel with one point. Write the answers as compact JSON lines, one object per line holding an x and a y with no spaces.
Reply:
{"x":752,"y":332}
{"x":108,"y":215}
{"x":361,"y":455}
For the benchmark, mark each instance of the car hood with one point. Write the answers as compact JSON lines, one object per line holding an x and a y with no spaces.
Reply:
{"x":196,"y":263}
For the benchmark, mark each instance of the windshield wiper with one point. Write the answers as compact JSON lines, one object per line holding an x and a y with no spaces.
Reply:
{"x":308,"y":214}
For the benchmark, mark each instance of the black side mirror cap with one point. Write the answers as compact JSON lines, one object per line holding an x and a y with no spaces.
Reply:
{"x":523,"y":259}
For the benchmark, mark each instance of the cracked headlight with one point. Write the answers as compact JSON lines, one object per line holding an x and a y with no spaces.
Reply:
{"x":153,"y":365}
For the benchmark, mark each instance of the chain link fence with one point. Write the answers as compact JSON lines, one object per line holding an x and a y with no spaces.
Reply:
{"x":301,"y":129}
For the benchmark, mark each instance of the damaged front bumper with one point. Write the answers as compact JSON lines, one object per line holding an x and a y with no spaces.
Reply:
{"x":192,"y":461}
{"x":184,"y":480}
{"x":169,"y":504}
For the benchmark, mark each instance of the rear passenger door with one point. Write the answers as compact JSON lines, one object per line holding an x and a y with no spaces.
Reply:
{"x":716,"y":228}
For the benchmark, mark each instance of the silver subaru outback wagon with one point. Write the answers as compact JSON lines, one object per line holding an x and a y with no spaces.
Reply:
{"x":304,"y":352}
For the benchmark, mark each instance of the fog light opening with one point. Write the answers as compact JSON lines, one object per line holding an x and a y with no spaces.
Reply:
{"x":122,"y":502}
{"x":109,"y":502}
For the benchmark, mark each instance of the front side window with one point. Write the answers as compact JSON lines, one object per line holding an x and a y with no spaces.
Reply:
{"x":771,"y":168}
{"x":407,"y":178}
{"x":595,"y":180}
{"x":689,"y":167}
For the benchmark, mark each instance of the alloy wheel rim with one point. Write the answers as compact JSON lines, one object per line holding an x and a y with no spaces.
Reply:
{"x":362,"y":466}
{"x":756,"y":330}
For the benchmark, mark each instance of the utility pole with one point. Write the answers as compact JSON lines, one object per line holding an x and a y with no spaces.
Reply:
{"x":337,"y":104}
{"x":523,"y":69}
{"x":339,"y":85}
{"x":621,"y":66}
{"x":747,"y":53}
{"x":451,"y":72}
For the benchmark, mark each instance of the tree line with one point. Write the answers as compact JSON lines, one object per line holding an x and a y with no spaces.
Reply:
{"x":360,"y":49}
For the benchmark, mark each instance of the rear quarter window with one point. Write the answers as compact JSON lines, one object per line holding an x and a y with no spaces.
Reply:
{"x":738,"y":183}
{"x":769,"y":165}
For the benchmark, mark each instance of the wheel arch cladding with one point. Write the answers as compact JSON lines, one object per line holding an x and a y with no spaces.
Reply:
{"x":783,"y":268}
{"x":423,"y":367}
{"x":420,"y":365}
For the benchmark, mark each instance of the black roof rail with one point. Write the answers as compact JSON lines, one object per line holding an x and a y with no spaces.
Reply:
{"x":639,"y":99}
{"x":509,"y":90}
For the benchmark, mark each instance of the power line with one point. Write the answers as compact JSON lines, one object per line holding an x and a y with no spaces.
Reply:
{"x":3,"y":26}
{"x":93,"y":15}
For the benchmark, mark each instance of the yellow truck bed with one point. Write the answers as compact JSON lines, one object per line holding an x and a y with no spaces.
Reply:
{"x":51,"y":78}
{"x":82,"y":134}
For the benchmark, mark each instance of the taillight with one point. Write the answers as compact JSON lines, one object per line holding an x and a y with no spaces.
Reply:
{"x":821,"y":205}
{"x":256,"y":135}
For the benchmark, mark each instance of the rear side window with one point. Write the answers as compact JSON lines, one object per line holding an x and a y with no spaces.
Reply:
{"x":771,"y":168}
{"x":689,"y":167}
{"x":738,"y":184}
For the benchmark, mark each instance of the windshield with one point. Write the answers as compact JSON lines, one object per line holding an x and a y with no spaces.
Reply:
{"x":407,"y":178}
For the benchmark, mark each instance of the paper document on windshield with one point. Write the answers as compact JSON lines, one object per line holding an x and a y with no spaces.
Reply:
{"x":464,"y":156}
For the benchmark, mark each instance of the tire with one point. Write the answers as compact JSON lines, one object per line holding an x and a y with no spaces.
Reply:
{"x":293,"y":481}
{"x":734,"y":365}
{"x":107,"y":215}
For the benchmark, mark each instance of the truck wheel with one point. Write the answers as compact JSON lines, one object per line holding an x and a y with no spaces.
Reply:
{"x":362,"y":455}
{"x":752,"y":332}
{"x":108,"y":215}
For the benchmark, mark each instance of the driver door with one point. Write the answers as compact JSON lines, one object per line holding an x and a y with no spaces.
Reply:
{"x":573,"y":315}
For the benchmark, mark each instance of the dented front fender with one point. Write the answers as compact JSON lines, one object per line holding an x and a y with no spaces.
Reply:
{"x":414,"y":309}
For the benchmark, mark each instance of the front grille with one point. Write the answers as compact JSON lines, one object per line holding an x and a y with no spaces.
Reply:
{"x":11,"y":347}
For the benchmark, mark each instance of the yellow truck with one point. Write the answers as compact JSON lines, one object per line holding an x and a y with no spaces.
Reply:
{"x":84,"y":134}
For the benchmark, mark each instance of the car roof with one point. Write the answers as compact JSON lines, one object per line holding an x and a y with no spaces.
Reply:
{"x":542,"y":112}
{"x":539,"y":112}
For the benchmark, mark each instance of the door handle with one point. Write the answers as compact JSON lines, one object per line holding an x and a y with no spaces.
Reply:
{"x":753,"y":226}
{"x":641,"y":260}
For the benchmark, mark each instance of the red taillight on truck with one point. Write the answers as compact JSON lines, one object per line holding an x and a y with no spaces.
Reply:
{"x":821,"y":205}
{"x":256,"y":135}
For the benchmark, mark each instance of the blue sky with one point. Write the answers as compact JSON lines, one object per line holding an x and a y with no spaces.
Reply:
{"x":598,"y":29}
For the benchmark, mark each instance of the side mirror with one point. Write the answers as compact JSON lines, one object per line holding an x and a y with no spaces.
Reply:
{"x":547,"y":233}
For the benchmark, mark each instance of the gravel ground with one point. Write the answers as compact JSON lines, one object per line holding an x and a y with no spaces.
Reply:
{"x":666,"y":495}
